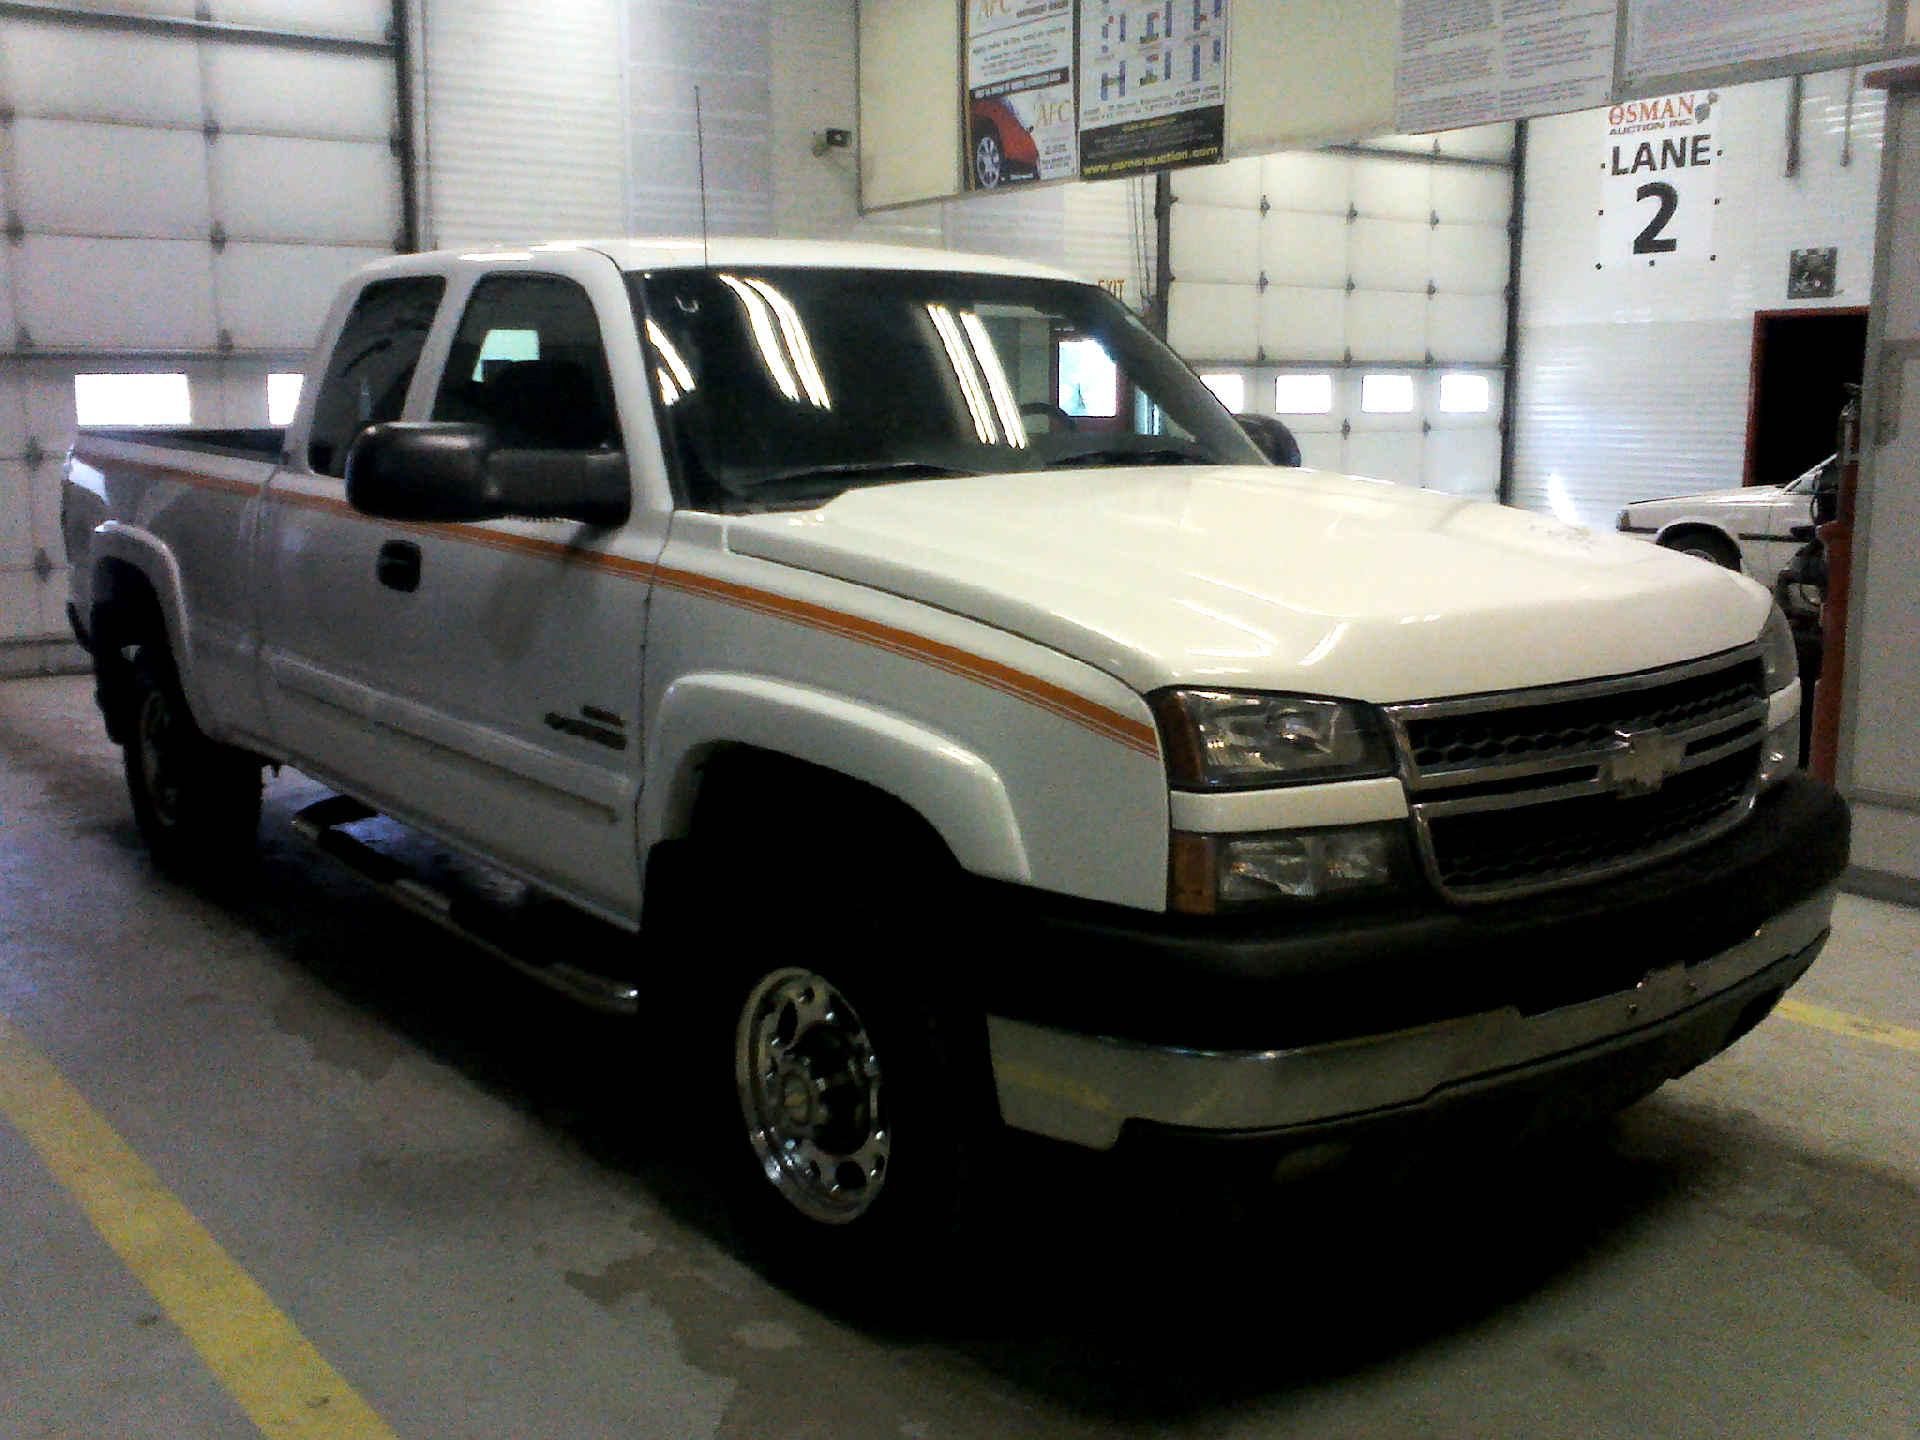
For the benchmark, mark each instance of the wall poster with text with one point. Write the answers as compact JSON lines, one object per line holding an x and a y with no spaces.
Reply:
{"x":1020,"y":120}
{"x":1153,"y":85}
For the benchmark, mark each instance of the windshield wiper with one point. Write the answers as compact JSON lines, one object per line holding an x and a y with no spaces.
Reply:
{"x":852,"y":471}
{"x":1160,"y":455}
{"x":807,"y":485}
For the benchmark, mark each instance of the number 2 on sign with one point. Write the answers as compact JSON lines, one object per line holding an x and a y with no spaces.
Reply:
{"x":1651,"y":241}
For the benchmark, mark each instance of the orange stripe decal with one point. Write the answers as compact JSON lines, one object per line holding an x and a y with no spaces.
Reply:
{"x":1137,"y":735}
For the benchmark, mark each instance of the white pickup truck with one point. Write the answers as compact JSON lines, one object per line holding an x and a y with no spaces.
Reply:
{"x":950,"y":720}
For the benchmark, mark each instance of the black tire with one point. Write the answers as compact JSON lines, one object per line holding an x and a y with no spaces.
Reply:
{"x":196,"y":802}
{"x":1704,"y":545}
{"x":854,"y":1150}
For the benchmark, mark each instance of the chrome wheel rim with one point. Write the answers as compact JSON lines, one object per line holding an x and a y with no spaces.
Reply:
{"x":810,"y":1090}
{"x":155,"y":732}
{"x":986,"y":161}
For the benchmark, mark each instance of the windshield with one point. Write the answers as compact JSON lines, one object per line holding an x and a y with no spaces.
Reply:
{"x":782,"y":387}
{"x":1809,"y":482}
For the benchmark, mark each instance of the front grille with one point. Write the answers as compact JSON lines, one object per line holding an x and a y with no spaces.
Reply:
{"x":1534,"y":789}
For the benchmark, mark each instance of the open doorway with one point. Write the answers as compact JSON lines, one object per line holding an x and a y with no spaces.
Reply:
{"x":1803,"y":360}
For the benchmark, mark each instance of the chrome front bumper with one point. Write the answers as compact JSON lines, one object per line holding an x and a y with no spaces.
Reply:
{"x":1084,"y":1088}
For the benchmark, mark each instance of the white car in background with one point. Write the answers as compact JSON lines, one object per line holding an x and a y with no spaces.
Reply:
{"x":1746,"y":529}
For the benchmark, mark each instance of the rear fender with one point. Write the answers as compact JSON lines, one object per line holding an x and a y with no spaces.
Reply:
{"x":118,"y":546}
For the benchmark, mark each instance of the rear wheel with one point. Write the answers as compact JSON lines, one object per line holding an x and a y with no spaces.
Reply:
{"x":197,"y":802}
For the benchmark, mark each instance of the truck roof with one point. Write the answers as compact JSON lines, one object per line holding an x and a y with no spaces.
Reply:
{"x":635,"y":253}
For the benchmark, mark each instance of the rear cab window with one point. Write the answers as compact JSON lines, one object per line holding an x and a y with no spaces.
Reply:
{"x":372,"y":365}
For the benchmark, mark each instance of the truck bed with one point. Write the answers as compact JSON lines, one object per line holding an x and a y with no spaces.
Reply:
{"x":264,"y":443}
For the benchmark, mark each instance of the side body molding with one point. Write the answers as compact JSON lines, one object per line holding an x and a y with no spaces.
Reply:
{"x":956,"y":791}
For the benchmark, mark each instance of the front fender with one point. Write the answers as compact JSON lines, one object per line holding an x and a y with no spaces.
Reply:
{"x":951,"y":788}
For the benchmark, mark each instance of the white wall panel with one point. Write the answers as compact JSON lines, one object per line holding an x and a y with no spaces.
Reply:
{"x":16,"y":515}
{"x":106,"y":294}
{"x":1213,"y":321}
{"x":53,"y":69}
{"x":1479,"y":142}
{"x":1237,"y":183}
{"x":1467,"y":327}
{"x":1301,"y":249}
{"x":724,"y":47}
{"x":1390,"y":254}
{"x":330,"y":17}
{"x":273,"y":297}
{"x":313,"y":94}
{"x":1298,"y":323}
{"x":1110,"y":233}
{"x":1472,"y":194}
{"x":1392,"y":189}
{"x":1385,"y":455}
{"x":13,"y":415}
{"x":1385,"y":326}
{"x":1215,"y":242}
{"x":1320,"y":184}
{"x":1471,"y":259}
{"x":525,"y":112}
{"x":1462,"y":462}
{"x":345,"y":193}
{"x":1633,"y":382}
{"x":110,"y":180}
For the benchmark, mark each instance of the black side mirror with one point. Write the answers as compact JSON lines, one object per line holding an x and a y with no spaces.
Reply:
{"x":1271,"y":438}
{"x":1826,"y":504}
{"x":440,"y":471}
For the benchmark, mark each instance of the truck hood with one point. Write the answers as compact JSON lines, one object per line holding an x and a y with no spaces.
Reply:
{"x":1272,"y":579}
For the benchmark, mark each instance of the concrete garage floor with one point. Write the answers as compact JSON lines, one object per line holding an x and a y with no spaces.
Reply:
{"x":470,"y":1201}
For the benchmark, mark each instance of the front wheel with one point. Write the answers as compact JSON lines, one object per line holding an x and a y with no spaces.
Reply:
{"x":196,"y":802}
{"x":862,"y":1115}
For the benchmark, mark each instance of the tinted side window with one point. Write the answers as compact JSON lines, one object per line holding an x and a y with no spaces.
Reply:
{"x":366,"y":380}
{"x":528,"y":362}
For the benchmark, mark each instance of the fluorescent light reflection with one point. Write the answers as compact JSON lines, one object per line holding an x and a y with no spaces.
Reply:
{"x":676,"y":380}
{"x":971,"y":385}
{"x":997,"y":382}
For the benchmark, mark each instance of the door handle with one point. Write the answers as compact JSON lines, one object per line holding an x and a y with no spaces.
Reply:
{"x":399,"y":566}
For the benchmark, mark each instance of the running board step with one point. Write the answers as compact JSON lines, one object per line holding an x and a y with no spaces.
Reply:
{"x":482,"y":907}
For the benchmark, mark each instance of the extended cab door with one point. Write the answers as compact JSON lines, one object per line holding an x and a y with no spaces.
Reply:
{"x":484,"y":680}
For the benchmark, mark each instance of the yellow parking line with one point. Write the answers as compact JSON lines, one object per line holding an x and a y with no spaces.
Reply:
{"x":268,"y":1366}
{"x":1858,"y":1026}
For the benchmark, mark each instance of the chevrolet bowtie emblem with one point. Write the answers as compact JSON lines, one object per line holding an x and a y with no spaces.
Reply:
{"x":1641,"y":761}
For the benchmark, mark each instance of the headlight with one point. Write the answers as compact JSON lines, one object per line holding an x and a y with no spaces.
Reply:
{"x":1235,"y":740}
{"x":1212,"y":873}
{"x":1777,"y":652}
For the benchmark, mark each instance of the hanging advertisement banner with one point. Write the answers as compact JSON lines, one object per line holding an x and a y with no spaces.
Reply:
{"x":1667,"y":38}
{"x":1659,"y":181}
{"x":1153,"y":85}
{"x":1019,"y":84}
{"x":1472,"y":64}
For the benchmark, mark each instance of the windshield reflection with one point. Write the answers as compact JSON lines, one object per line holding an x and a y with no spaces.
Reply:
{"x":784,"y":386}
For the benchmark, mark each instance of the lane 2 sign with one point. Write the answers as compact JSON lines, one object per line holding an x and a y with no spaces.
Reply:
{"x":1659,"y":181}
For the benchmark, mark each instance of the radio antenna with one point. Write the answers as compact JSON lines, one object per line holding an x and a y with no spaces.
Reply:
{"x":700,"y":150}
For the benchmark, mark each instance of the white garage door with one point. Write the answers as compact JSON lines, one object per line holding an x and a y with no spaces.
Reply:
{"x":1361,"y":293}
{"x":183,"y":186}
